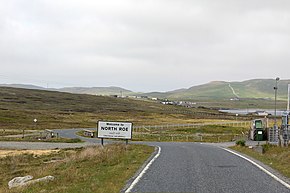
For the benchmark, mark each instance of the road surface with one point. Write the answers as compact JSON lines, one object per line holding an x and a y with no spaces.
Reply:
{"x":196,"y":167}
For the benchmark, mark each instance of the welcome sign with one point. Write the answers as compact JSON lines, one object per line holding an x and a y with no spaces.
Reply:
{"x":115,"y":130}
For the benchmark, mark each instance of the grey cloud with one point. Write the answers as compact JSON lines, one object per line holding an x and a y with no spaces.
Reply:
{"x":153,"y":44}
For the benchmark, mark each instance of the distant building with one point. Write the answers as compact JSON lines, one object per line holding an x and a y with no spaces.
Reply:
{"x":168,"y":103}
{"x":133,"y":97}
{"x":261,"y":113}
{"x":186,"y":104}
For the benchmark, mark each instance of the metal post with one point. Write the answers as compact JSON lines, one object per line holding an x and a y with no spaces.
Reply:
{"x":275,"y":114}
{"x":288,"y":98}
{"x":102,"y":142}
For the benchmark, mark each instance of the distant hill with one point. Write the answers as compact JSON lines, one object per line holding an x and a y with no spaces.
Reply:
{"x":77,"y":90}
{"x":97,"y":90}
{"x":26,"y":86}
{"x":216,"y":90}
{"x":257,"y":88}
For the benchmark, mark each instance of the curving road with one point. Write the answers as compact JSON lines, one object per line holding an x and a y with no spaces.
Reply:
{"x":196,"y":167}
{"x":193,"y":167}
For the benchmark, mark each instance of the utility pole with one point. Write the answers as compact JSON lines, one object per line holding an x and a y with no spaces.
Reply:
{"x":276,"y":130}
{"x":275,"y":114}
{"x":288,"y":98}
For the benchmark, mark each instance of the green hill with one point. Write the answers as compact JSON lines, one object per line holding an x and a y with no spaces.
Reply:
{"x":257,"y":88}
{"x":216,"y":90}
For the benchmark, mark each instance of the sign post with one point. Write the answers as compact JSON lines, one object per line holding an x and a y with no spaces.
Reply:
{"x":114,"y":130}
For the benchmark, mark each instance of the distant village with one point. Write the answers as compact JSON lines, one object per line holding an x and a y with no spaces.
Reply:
{"x":186,"y":104}
{"x":162,"y":101}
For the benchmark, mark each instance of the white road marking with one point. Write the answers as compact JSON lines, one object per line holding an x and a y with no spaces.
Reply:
{"x":143,"y":171}
{"x":260,"y":167}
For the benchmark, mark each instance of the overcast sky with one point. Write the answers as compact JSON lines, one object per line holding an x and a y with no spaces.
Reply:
{"x":143,"y":45}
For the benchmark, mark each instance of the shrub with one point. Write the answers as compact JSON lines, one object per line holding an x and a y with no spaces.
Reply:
{"x":241,"y":143}
{"x":267,"y":146}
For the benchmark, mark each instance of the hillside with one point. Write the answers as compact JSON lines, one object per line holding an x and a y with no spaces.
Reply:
{"x":257,"y":88}
{"x":97,"y":90}
{"x":19,"y":107}
{"x":216,"y":90}
{"x":26,"y":86}
{"x":106,"y":91}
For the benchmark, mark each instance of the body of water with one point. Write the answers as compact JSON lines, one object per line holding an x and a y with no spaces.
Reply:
{"x":247,"y":111}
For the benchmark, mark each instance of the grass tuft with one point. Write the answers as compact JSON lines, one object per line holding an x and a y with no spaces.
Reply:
{"x":91,"y":169}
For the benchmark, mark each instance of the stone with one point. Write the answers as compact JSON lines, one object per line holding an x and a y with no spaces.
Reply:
{"x":27,"y":180}
{"x":19,"y":181}
{"x":44,"y":179}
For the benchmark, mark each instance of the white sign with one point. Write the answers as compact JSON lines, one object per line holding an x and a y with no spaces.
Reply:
{"x":116,"y":130}
{"x":260,"y":132}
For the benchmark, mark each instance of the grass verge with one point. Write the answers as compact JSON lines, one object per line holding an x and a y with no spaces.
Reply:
{"x":209,"y":133}
{"x":276,"y":157}
{"x":33,"y":139}
{"x":92,"y":169}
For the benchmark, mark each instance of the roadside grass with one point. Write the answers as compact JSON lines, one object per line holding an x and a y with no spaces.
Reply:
{"x":276,"y":157}
{"x":5,"y":132}
{"x":91,"y":169}
{"x":208,"y":133}
{"x":185,"y":138}
{"x":211,"y":129}
{"x":35,"y":139}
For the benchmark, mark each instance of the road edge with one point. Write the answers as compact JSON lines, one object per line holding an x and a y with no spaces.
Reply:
{"x":266,"y":169}
{"x":139,"y":174}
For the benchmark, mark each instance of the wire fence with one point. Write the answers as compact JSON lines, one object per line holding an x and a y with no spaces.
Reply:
{"x":149,"y":128}
{"x":188,"y":138}
{"x":193,"y":132}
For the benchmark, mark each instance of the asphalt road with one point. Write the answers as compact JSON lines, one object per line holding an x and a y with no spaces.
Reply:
{"x":200,"y":168}
{"x":193,"y":167}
